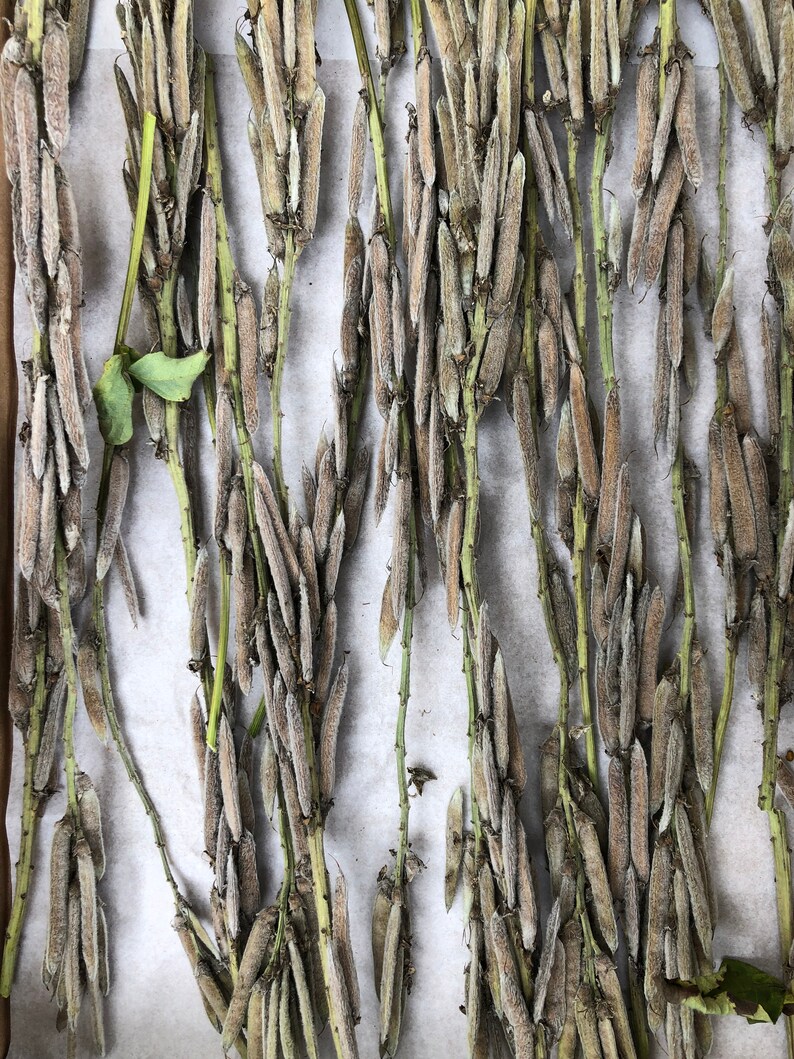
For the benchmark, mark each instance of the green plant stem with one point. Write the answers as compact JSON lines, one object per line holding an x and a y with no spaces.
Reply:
{"x":31,"y":801}
{"x":471,"y":698}
{"x":139,"y":227}
{"x":34,"y":9}
{"x":774,"y":668}
{"x":731,"y":635}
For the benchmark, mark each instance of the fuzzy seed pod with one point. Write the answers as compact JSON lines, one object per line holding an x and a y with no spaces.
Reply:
{"x":685,"y":124}
{"x":664,"y":123}
{"x":646,"y":104}
{"x":583,"y":432}
{"x":114,"y":510}
{"x":742,"y":513}
{"x":669,"y":188}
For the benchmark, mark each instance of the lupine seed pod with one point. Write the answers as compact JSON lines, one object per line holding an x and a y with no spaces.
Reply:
{"x":786,"y":558}
{"x":60,"y":858}
{"x":698,"y":899}
{"x":718,"y":488}
{"x":540,"y":164}
{"x":664,"y":123}
{"x":685,"y":124}
{"x":731,"y":54}
{"x":330,"y":731}
{"x":646,"y":104}
{"x":757,"y":645}
{"x":702,"y":720}
{"x":197,"y":635}
{"x":91,"y":822}
{"x":621,"y":537}
{"x":595,"y":870}
{"x":619,"y":848}
{"x":673,"y":772}
{"x":665,"y":704}
{"x":784,"y":111}
{"x":227,"y":765}
{"x":573,"y":63}
{"x":759,"y":491}
{"x":722,"y":315}
{"x":583,"y":431}
{"x":669,"y":188}
{"x":742,"y":514}
{"x":111,"y":525}
{"x":561,"y":196}
{"x":675,"y":294}
{"x":610,"y":467}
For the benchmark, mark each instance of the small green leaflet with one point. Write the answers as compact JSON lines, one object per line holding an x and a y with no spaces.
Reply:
{"x":170,"y":377}
{"x":738,"y":988}
{"x":113,"y":398}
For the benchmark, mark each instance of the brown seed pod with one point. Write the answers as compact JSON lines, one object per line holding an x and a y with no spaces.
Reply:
{"x":718,"y":488}
{"x":610,"y":468}
{"x":88,"y":669}
{"x":702,"y":720}
{"x":669,"y":188}
{"x":742,"y":513}
{"x":646,"y":104}
{"x":206,"y":272}
{"x":674,"y":304}
{"x":227,"y":766}
{"x":507,"y":247}
{"x":664,"y":124}
{"x":573,"y":63}
{"x":560,"y":187}
{"x":771,"y":375}
{"x":722,"y":315}
{"x":60,"y":859}
{"x":247,"y":352}
{"x":527,"y":441}
{"x":595,"y":869}
{"x":731,"y":54}
{"x":549,"y":356}
{"x":673,"y":772}
{"x":118,"y":483}
{"x":540,"y":164}
{"x":619,"y":849}
{"x":738,"y":389}
{"x":91,"y":822}
{"x":759,"y":491}
{"x":686,"y":125}
{"x":638,"y":813}
{"x":786,"y":558}
{"x":784,"y":111}
{"x":698,"y":899}
{"x":757,"y":645}
{"x":197,"y":628}
{"x":329,"y":732}
{"x":583,"y":432}
{"x":664,"y":707}
{"x":621,"y":537}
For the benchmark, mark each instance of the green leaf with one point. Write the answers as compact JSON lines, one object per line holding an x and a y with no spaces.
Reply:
{"x":737,"y":988}
{"x":170,"y":377}
{"x":113,"y":399}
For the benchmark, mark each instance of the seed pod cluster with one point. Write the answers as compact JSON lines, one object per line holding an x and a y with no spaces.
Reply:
{"x":287,"y":117}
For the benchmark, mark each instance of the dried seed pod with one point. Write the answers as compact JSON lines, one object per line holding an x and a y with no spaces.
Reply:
{"x":227,"y":766}
{"x":91,"y":822}
{"x":206,"y":275}
{"x":664,"y":707}
{"x":560,"y":187}
{"x":742,"y":513}
{"x":646,"y":104}
{"x":702,"y":720}
{"x":573,"y":63}
{"x":510,"y":840}
{"x":621,"y":538}
{"x":526,"y":439}
{"x":668,"y":190}
{"x":596,"y":872}
{"x":507,"y":247}
{"x":784,"y":110}
{"x":722,"y":315}
{"x":685,"y":123}
{"x":549,"y":356}
{"x":197,"y":628}
{"x":696,"y":885}
{"x":329,"y":732}
{"x":786,"y":558}
{"x":599,"y":74}
{"x":757,"y":645}
{"x":718,"y":488}
{"x":619,"y":848}
{"x":771,"y":376}
{"x":673,"y":772}
{"x":658,"y":906}
{"x":60,"y":858}
{"x":664,"y":123}
{"x":454,"y":540}
{"x":583,"y":432}
{"x":562,"y":608}
{"x":88,"y":669}
{"x":343,"y":948}
{"x":540,"y":164}
{"x":118,"y":482}
{"x":731,"y":54}
{"x":88,"y":908}
{"x":638,"y":813}
{"x":674,"y":304}
{"x":311,"y":150}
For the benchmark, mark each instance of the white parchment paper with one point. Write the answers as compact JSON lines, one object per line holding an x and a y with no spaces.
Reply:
{"x":154,"y":1008}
